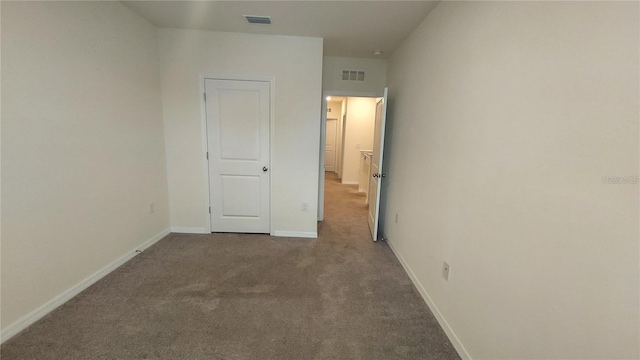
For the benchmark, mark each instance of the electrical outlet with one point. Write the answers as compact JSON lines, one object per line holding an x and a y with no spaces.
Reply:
{"x":445,"y":270}
{"x":152,"y":208}
{"x":396,"y":218}
{"x":305,"y":206}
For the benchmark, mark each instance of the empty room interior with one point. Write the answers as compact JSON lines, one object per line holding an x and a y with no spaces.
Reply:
{"x":320,"y":180}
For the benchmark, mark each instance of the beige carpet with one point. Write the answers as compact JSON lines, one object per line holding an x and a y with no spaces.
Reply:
{"x":238,"y":296}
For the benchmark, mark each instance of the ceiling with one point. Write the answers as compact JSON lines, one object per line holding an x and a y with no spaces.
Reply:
{"x":349,"y":28}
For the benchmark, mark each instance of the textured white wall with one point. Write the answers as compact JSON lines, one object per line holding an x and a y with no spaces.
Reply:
{"x":375,"y":75}
{"x":504,"y":119}
{"x":296,"y":65}
{"x":358,"y":135}
{"x":82,"y":145}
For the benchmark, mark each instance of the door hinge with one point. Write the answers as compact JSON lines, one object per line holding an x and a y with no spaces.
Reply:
{"x":209,"y":209}
{"x":205,"y":97}
{"x":207,"y":155}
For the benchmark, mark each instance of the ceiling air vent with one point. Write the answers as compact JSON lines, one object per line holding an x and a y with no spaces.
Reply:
{"x":254,"y":19}
{"x":353,"y":75}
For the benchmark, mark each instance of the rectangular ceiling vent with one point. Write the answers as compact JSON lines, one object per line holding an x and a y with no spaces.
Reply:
{"x":353,"y":75}
{"x":254,"y":19}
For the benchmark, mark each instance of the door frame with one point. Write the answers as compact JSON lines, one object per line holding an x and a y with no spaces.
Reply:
{"x":323,"y":136}
{"x":205,"y":144}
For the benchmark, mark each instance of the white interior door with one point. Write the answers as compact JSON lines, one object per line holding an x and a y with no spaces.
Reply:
{"x":238,"y":118}
{"x":376,"y":165}
{"x":330,"y":148}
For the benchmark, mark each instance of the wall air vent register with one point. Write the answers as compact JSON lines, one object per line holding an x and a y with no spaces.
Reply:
{"x":254,"y":19}
{"x":353,"y":75}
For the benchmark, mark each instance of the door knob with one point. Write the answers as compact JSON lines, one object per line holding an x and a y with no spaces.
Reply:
{"x":264,"y":168}
{"x":382,"y":175}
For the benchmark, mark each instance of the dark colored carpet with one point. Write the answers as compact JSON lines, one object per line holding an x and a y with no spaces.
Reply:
{"x":238,"y":296}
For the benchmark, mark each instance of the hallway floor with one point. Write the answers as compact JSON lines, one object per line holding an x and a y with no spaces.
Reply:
{"x":240,"y":296}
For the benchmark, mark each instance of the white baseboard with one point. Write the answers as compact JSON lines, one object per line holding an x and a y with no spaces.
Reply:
{"x":190,"y":230}
{"x":68,"y":294}
{"x":432,"y":306}
{"x":147,"y":244}
{"x":298,"y":234}
{"x":349,"y":182}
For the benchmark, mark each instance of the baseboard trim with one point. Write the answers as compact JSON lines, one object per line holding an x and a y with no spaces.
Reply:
{"x":432,"y":306}
{"x":147,"y":244}
{"x":297,"y":234}
{"x":350,"y":182}
{"x":29,"y":319}
{"x":190,"y":230}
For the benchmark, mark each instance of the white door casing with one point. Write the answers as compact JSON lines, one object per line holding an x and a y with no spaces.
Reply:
{"x":376,"y":165}
{"x":330,"y":148}
{"x":238,"y":142}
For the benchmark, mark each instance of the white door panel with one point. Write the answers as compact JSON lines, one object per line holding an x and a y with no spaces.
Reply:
{"x":238,"y":142}
{"x":376,"y":165}
{"x":330,"y":148}
{"x":239,"y":124}
{"x":239,"y":194}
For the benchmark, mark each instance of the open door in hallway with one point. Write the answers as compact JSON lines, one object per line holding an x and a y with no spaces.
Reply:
{"x":376,"y":165}
{"x":238,"y":125}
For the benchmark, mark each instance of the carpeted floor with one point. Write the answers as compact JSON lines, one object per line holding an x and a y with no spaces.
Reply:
{"x":239,"y":296}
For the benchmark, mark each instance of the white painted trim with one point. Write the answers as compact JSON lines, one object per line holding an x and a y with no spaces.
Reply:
{"x":272,"y":136}
{"x":343,"y":93}
{"x":29,"y":319}
{"x":323,"y":145}
{"x":205,"y":143}
{"x":190,"y":230}
{"x":297,"y":234}
{"x":205,"y":150}
{"x":147,"y":244}
{"x":350,"y":182}
{"x":457,"y":344}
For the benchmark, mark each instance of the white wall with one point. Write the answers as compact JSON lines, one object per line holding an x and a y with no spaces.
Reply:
{"x":375,"y":76}
{"x":505,"y":117}
{"x":296,"y":65}
{"x":82,"y":147}
{"x":358,"y":135}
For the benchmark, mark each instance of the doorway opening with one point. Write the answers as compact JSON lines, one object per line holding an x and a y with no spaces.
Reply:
{"x":351,"y":148}
{"x":349,"y":139}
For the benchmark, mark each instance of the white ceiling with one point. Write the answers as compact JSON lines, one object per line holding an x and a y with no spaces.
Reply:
{"x":349,"y":28}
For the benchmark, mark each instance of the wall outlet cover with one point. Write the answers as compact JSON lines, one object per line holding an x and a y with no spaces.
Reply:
{"x":445,"y":270}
